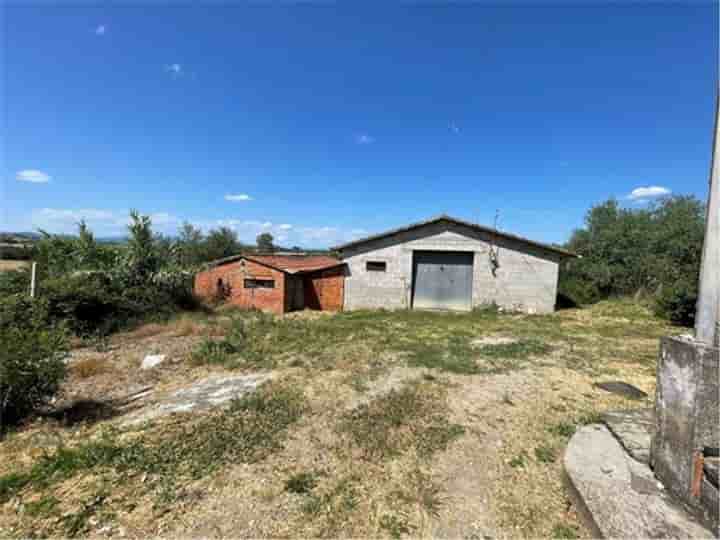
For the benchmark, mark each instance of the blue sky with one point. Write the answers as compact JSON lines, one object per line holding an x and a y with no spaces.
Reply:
{"x":320,"y":123}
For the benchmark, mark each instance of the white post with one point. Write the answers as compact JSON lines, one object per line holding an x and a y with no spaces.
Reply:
{"x":32,"y":279}
{"x":708,"y":305}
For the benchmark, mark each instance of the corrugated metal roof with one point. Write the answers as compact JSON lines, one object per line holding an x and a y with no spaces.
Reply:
{"x":455,"y":221}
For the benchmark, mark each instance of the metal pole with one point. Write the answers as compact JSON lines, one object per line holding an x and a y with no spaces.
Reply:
{"x":708,"y":305}
{"x":33,"y":273}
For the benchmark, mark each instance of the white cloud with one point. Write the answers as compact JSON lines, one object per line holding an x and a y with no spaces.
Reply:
{"x":100,"y":30}
{"x":103,"y":222}
{"x":364,"y":138}
{"x":649,"y":192}
{"x":176,"y":70}
{"x":33,"y":176}
{"x":285,"y":227}
{"x":239,"y":197}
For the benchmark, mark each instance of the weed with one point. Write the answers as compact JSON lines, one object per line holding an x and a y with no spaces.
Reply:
{"x":518,"y":461}
{"x":246,"y":432}
{"x":395,"y":525}
{"x":562,"y":530}
{"x":77,"y":522}
{"x":42,"y":507}
{"x":301,"y":483}
{"x":420,"y":490}
{"x":592,"y":417}
{"x":456,"y":356}
{"x":413,"y":416}
{"x":520,"y":349}
{"x":545,"y":454}
{"x":334,"y":507}
{"x":562,"y":429}
{"x":212,"y":351}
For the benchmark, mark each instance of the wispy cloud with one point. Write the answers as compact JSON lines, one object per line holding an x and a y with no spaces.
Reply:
{"x":100,"y":30}
{"x":454,"y":128}
{"x":364,"y":138}
{"x":285,"y":227}
{"x":238,"y":197}
{"x":175,"y":70}
{"x":648,"y":192}
{"x":111,"y":222}
{"x":33,"y":176}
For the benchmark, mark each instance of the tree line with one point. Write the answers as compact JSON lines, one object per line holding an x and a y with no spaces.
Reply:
{"x":652,"y":253}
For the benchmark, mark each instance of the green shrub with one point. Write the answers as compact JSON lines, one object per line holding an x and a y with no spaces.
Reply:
{"x":31,"y":358}
{"x":14,"y":282}
{"x":301,"y":483}
{"x":677,"y":301}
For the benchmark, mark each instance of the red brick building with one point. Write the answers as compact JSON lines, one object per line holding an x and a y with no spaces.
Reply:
{"x":275,"y":283}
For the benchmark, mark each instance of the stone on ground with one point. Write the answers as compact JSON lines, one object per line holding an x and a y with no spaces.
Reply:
{"x":152,"y":360}
{"x":206,"y":394}
{"x":634,"y":429}
{"x":622,"y":389}
{"x":619,"y":496}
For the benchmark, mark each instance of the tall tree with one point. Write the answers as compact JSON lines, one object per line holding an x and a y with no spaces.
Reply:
{"x":221,"y":242}
{"x":265,"y":242}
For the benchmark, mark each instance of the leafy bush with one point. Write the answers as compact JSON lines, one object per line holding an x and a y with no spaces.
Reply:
{"x":655,"y":250}
{"x":14,"y":282}
{"x":676,"y":302}
{"x":31,"y":358}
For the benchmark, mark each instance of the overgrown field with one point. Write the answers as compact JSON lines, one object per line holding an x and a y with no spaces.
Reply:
{"x":374,"y":424}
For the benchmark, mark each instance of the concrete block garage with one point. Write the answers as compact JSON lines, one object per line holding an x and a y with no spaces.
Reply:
{"x":447,"y":263}
{"x":275,"y":283}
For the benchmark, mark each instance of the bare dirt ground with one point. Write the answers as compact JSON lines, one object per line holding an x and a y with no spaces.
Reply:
{"x":375,"y":424}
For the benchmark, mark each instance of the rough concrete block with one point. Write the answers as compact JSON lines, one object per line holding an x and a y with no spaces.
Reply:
{"x":618,"y":496}
{"x":687,"y":411}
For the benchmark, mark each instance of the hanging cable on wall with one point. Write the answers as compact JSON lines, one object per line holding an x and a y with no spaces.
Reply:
{"x":494,"y":250}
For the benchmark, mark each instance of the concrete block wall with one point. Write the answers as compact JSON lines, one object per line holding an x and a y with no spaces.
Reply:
{"x":526,"y":279}
{"x":233,"y":276}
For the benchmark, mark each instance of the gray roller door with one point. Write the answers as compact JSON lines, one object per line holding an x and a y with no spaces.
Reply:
{"x":442,"y":280}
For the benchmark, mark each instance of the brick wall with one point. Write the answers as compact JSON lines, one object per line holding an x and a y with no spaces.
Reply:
{"x":325,"y":289}
{"x":233,"y":276}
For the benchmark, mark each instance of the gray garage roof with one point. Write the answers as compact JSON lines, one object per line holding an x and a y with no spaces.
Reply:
{"x":448,"y":219}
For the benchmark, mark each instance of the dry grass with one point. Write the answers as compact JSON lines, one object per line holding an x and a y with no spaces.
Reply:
{"x":7,"y":265}
{"x":90,"y":367}
{"x":414,"y":424}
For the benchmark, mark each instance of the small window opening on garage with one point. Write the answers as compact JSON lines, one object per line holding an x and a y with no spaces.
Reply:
{"x":376,"y":266}
{"x":259,"y":283}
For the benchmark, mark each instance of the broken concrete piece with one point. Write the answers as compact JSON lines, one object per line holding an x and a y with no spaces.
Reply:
{"x":634,"y":430}
{"x":152,"y":360}
{"x":621,"y":503}
{"x":206,"y":394}
{"x":622,"y":389}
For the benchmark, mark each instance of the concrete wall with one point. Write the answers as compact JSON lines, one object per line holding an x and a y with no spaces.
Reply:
{"x":687,"y":416}
{"x":526,"y":279}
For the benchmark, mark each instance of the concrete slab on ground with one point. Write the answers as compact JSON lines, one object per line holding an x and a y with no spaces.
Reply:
{"x":617,"y":495}
{"x":206,"y":394}
{"x":634,"y":430}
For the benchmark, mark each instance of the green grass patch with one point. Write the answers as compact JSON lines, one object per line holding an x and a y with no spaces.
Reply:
{"x":563,"y":530}
{"x":302,"y":483}
{"x":545,"y":454}
{"x":520,"y":349}
{"x":247,"y":431}
{"x":412,"y":417}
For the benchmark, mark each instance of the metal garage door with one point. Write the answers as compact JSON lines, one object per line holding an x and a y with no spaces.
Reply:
{"x":442,"y":280}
